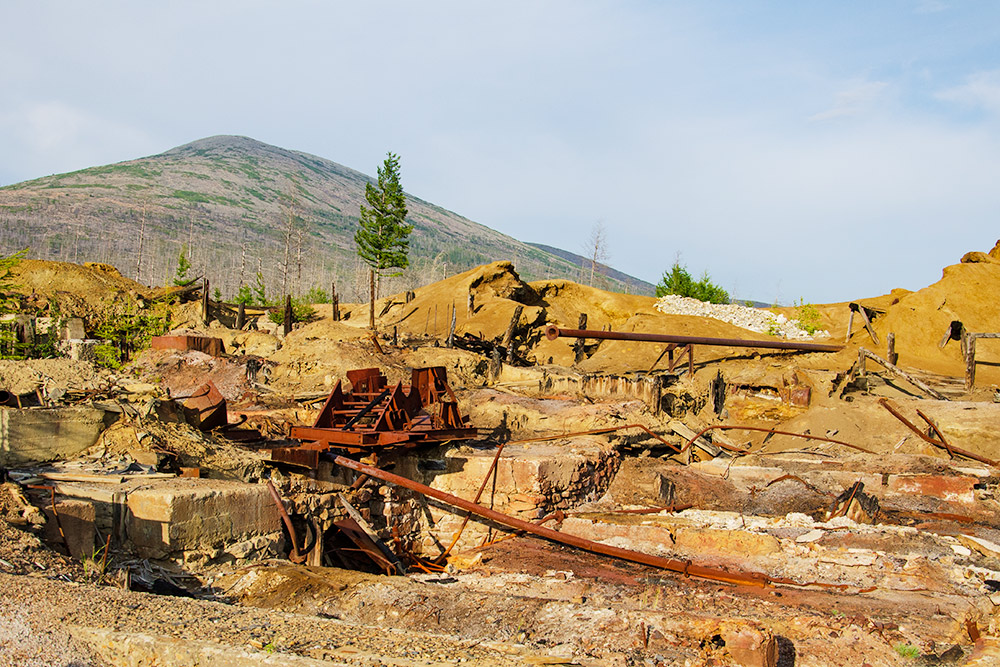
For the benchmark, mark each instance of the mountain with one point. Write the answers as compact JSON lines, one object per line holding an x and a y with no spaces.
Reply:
{"x":604,"y":274}
{"x":241,"y":207}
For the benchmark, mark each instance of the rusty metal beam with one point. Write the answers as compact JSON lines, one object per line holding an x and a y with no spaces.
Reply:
{"x":553,"y":332}
{"x":675,"y":565}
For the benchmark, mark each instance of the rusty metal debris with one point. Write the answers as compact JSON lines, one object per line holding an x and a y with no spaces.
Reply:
{"x":295,"y":556}
{"x":206,"y":407}
{"x":372,"y":417}
{"x":553,"y":332}
{"x":730,"y":427}
{"x":685,"y":567}
{"x":357,"y":530}
{"x":951,"y":449}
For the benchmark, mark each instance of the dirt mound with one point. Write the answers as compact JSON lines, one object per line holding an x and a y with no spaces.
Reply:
{"x":967,"y":293}
{"x":73,"y":284}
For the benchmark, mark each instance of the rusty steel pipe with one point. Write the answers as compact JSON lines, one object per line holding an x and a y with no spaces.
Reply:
{"x":552,"y":332}
{"x":675,"y":565}
{"x":295,"y":556}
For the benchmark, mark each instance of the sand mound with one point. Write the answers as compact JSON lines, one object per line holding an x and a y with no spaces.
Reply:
{"x":967,"y":293}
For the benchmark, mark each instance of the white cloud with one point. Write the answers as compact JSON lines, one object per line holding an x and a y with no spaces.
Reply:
{"x":980,"y":90}
{"x":853,"y":101}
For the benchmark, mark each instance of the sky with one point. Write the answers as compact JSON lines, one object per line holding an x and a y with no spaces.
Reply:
{"x":822,"y":151}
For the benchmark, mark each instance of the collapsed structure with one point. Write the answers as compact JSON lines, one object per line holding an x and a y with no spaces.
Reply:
{"x":759,"y":502}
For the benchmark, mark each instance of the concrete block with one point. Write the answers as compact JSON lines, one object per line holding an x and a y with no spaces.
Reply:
{"x":76,"y":517}
{"x":191,"y":514}
{"x":47,"y":434}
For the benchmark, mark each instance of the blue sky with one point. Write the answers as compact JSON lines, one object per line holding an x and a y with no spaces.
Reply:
{"x":816,"y":150}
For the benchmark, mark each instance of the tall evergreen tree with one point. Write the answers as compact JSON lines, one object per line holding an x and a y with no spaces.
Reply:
{"x":383,"y":235}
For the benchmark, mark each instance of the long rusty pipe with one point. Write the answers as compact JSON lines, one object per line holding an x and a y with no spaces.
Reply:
{"x":552,"y":332}
{"x":672,"y":564}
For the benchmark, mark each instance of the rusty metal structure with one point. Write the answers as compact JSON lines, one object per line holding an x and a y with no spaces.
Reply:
{"x":553,"y":332}
{"x":373,"y":417}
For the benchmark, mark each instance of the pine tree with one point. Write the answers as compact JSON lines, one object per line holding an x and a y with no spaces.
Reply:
{"x":383,"y":235}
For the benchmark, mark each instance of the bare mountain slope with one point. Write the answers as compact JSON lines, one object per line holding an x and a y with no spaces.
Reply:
{"x":230,"y":199}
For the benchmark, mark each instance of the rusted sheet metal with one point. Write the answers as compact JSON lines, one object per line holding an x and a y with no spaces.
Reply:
{"x":207,"y":344}
{"x":206,"y":407}
{"x":373,"y":416}
{"x":553,"y":332}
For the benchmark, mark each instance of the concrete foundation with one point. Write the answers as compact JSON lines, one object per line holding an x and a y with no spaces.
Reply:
{"x":47,"y":434}
{"x":204,"y":516}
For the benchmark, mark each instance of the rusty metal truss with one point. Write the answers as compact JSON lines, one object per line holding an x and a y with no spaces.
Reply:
{"x":373,"y":417}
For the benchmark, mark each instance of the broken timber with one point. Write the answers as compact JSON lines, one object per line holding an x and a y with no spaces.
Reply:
{"x":895,"y":370}
{"x":373,"y":416}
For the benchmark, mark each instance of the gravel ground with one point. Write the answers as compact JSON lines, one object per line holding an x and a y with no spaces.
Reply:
{"x":754,"y":319}
{"x":35,"y":613}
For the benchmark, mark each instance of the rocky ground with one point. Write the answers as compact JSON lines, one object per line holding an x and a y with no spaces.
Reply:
{"x":809,"y":568}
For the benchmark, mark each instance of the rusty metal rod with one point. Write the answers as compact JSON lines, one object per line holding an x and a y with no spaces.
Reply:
{"x":295,"y":557}
{"x":597,"y":431}
{"x":926,"y":438}
{"x":552,"y":332}
{"x":672,"y":564}
{"x":733,"y":427}
{"x":685,"y":567}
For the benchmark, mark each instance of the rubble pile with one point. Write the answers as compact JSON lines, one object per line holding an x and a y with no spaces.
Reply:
{"x":754,"y":319}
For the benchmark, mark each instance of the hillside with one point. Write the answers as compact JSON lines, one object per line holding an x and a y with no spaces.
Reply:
{"x":230,"y":199}
{"x":607,"y":275}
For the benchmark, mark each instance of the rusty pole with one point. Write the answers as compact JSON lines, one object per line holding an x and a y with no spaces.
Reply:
{"x":552,"y":332}
{"x":673,"y":564}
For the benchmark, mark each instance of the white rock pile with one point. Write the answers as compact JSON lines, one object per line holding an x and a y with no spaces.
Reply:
{"x":754,"y":319}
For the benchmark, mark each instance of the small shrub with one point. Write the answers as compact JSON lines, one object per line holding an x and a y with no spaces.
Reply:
{"x":128,"y":329}
{"x":679,"y":281}
{"x":301,"y":312}
{"x":316,"y":295}
{"x":807,"y":316}
{"x":906,"y":650}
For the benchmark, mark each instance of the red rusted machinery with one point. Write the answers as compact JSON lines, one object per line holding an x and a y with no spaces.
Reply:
{"x":373,"y":417}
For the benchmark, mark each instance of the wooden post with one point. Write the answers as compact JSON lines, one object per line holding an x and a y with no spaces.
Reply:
{"x":495,"y":365}
{"x":334,"y":302}
{"x":578,"y":346}
{"x":861,"y":362}
{"x":868,"y":324}
{"x":451,"y":332}
{"x":850,"y":323}
{"x":890,"y":342}
{"x":371,"y":306}
{"x":508,"y":337}
{"x":204,"y":302}
{"x":970,"y":360}
{"x":287,"y":319}
{"x":241,"y":316}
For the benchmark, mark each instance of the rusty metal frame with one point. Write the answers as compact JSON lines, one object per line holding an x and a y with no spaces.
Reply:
{"x":373,"y":416}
